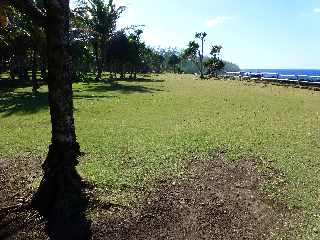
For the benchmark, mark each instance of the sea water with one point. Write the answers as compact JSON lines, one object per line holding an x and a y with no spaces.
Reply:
{"x":309,"y":72}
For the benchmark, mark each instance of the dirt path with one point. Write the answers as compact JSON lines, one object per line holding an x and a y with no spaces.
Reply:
{"x":215,"y":201}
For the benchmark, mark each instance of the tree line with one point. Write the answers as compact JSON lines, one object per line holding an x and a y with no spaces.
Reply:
{"x":96,"y":46}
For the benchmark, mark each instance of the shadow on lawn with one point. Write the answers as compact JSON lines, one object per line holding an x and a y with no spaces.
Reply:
{"x":91,"y":97}
{"x":24,"y":102}
{"x":126,"y":89}
{"x":9,"y":85}
{"x":145,"y":78}
{"x":27,"y":103}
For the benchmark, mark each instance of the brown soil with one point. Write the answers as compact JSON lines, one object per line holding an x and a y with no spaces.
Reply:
{"x":17,"y":220}
{"x":214,"y":201}
{"x":217,"y":201}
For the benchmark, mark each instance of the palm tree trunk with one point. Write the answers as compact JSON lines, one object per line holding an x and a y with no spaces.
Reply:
{"x":43,"y":68}
{"x":35,"y":85}
{"x":59,"y":198}
{"x":98,"y":60}
{"x":99,"y":73}
{"x":101,"y":58}
{"x":201,"y":58}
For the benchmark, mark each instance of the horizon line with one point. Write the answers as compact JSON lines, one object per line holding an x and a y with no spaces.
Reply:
{"x":281,"y":68}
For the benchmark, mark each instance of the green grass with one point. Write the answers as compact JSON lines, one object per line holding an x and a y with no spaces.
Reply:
{"x":136,"y":132}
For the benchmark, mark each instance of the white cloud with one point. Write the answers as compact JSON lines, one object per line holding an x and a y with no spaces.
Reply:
{"x":128,"y":17}
{"x":316,"y":10}
{"x":213,"y":22}
{"x":151,"y":38}
{"x":120,"y":2}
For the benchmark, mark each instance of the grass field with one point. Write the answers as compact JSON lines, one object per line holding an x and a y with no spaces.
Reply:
{"x":134,"y":133}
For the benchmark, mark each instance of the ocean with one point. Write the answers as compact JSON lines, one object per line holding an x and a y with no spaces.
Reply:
{"x":309,"y":72}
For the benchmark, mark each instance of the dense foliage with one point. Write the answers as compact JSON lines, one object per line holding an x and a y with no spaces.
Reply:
{"x":96,"y":45}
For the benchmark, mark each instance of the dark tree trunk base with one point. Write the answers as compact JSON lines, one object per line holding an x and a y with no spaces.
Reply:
{"x":60,"y":198}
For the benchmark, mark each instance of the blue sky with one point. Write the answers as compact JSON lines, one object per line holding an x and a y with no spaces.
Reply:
{"x":253,"y":33}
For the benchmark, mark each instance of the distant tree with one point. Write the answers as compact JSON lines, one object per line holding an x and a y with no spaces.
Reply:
{"x":23,"y":46}
{"x":215,"y":51}
{"x":154,"y":58}
{"x":118,"y":53}
{"x":215,"y":63}
{"x":230,"y":67}
{"x":136,"y":49}
{"x":173,"y":61}
{"x":126,"y":53}
{"x":17,"y":43}
{"x":192,"y":53}
{"x":157,"y":61}
{"x":202,"y":37}
{"x":97,"y":20}
{"x":82,"y":59}
{"x":37,"y":38}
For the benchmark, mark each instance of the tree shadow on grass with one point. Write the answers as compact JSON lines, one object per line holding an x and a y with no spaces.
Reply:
{"x":22,"y":102}
{"x":9,"y":85}
{"x":122,"y":88}
{"x":141,"y":79}
{"x":92,"y":97}
{"x":27,"y":103}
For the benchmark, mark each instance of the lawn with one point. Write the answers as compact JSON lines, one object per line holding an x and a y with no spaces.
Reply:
{"x":134,"y":133}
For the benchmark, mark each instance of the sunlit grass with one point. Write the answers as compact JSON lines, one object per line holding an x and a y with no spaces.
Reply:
{"x":136,"y":132}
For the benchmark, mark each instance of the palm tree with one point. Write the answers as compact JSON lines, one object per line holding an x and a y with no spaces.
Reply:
{"x":98,"y":21}
{"x":201,"y":36}
{"x":59,"y":194}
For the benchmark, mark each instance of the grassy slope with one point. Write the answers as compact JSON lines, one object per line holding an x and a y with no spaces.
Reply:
{"x":136,"y":132}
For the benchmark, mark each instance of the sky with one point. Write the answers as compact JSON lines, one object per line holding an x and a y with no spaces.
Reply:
{"x":255,"y":34}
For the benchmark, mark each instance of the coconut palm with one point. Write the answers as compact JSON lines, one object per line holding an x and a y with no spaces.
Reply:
{"x":59,"y":196}
{"x":97,"y":22}
{"x":202,"y":37}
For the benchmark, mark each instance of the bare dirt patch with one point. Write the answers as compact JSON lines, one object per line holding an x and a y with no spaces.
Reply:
{"x":17,"y":220}
{"x":216,"y":201}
